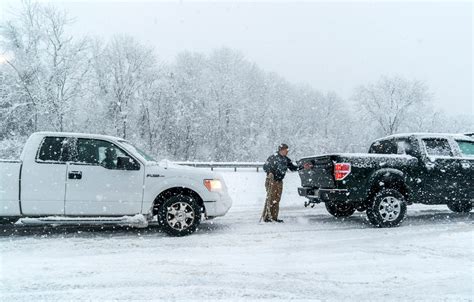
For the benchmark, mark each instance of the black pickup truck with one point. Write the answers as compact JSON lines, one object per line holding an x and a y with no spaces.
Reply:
{"x":397,"y":171}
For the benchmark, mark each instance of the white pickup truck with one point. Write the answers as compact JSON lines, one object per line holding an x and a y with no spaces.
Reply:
{"x":72,"y":178}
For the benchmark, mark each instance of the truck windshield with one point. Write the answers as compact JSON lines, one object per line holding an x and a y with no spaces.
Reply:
{"x":139,"y":151}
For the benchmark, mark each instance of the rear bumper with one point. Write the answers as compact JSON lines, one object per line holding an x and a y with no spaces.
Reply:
{"x":324,"y":194}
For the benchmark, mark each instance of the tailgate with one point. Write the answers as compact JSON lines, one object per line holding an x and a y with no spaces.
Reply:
{"x":321,"y":175}
{"x":9,"y":188}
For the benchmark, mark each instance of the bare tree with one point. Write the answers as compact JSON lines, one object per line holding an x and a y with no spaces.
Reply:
{"x":387,"y":101}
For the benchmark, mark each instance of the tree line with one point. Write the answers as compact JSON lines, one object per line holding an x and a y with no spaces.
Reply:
{"x":216,"y":106}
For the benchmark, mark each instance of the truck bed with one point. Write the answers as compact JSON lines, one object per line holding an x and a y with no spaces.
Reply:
{"x":321,"y":175}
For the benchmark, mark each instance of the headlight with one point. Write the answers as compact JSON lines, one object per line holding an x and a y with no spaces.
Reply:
{"x":213,"y":185}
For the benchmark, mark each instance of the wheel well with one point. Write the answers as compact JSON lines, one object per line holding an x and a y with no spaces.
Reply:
{"x":393,"y":183}
{"x":174,"y":192}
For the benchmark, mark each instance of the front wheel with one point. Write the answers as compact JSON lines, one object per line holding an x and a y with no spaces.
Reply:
{"x":340,"y":209}
{"x":462,"y":206}
{"x":387,"y":208}
{"x":179,"y":215}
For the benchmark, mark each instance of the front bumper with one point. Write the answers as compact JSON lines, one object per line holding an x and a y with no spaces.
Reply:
{"x":219,"y":205}
{"x":324,"y":194}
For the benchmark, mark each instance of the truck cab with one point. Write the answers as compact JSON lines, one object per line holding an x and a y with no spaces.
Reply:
{"x":445,"y":163}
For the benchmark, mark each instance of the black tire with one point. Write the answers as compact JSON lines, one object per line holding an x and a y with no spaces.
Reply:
{"x":340,"y":209}
{"x":179,"y":215}
{"x":387,"y":208}
{"x":461,"y":206}
{"x":8,"y":220}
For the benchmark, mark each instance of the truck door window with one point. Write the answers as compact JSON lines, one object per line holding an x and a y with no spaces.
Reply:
{"x":467,"y":148}
{"x":53,"y":149}
{"x":437,"y":147}
{"x":404,"y":147}
{"x":98,"y":152}
{"x":384,"y":147}
{"x":401,"y":147}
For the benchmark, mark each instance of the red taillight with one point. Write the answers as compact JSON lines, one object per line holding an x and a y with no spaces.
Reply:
{"x":341,"y":170}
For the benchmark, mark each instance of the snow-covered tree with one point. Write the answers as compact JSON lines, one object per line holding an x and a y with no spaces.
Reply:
{"x":216,"y":106}
{"x":120,"y":71}
{"x":48,"y":66}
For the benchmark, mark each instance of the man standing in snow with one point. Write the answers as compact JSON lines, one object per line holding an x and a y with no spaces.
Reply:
{"x":275,"y":167}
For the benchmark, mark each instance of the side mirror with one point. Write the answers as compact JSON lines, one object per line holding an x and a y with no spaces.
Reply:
{"x":127,"y":163}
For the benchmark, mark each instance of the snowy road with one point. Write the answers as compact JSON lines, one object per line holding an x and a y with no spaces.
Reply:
{"x":312,"y":256}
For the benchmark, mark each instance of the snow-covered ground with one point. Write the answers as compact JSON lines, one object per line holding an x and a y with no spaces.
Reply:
{"x":311,"y":256}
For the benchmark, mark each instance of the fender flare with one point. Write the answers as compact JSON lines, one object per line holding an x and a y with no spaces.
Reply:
{"x":387,"y":178}
{"x":175,"y":182}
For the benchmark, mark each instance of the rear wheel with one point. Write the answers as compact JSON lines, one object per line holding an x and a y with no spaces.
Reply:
{"x":387,"y":208}
{"x":340,"y":209}
{"x":462,"y":206}
{"x":8,"y":220}
{"x":179,"y":215}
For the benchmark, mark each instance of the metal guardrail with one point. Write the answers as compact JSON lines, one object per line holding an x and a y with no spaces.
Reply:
{"x":213,"y":165}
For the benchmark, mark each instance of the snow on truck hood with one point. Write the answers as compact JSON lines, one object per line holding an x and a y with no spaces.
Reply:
{"x":196,"y":172}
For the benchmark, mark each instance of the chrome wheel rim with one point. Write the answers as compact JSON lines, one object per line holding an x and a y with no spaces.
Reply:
{"x":389,"y":208}
{"x":180,"y":216}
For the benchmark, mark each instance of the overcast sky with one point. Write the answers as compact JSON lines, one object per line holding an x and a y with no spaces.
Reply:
{"x":330,"y":46}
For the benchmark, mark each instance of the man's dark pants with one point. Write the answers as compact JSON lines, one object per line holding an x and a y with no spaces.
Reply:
{"x":272,"y":203}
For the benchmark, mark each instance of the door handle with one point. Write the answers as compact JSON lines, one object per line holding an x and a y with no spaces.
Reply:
{"x":75,"y":175}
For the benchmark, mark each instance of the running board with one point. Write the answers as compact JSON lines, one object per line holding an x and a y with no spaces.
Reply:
{"x":138,"y":221}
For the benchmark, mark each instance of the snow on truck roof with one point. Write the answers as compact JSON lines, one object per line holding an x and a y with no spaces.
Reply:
{"x":362,"y":155}
{"x":425,"y":134}
{"x":74,"y":134}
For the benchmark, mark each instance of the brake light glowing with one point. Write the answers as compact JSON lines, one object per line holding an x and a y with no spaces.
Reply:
{"x":341,"y":170}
